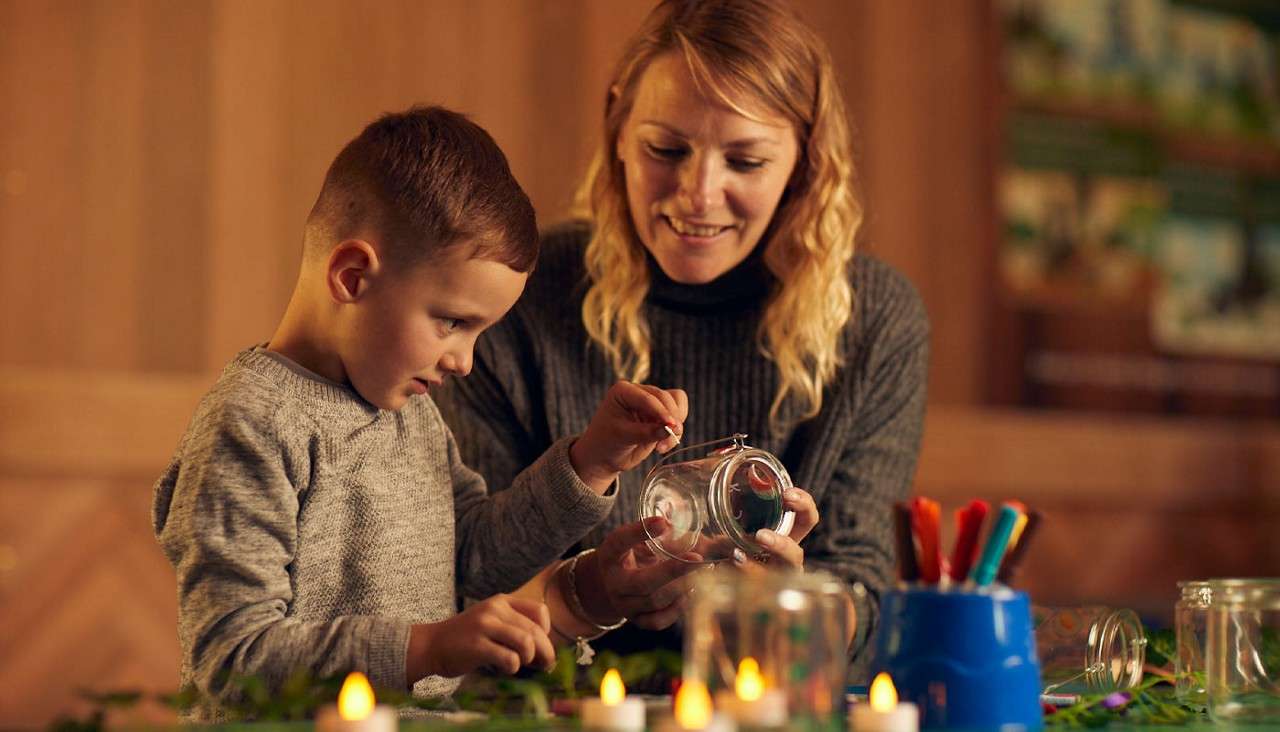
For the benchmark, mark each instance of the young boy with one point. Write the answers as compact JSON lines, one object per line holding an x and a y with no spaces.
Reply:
{"x":316,"y":511}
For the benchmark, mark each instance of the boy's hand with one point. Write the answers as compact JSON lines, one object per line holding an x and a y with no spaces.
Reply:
{"x":630,"y":423}
{"x":502,"y":633}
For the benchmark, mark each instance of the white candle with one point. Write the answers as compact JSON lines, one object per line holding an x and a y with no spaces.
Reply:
{"x":694,"y":713}
{"x":882,"y":712}
{"x":613,"y":711}
{"x":750,"y":703}
{"x":356,"y":710}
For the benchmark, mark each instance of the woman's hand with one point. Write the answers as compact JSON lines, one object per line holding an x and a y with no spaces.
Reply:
{"x":624,"y":578}
{"x":787,"y":548}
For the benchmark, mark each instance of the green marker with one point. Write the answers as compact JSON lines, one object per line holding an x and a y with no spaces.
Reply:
{"x":997,"y":542}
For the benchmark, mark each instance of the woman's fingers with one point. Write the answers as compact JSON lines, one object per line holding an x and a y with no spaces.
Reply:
{"x":781,"y":547}
{"x":799,"y":500}
{"x":661,"y":618}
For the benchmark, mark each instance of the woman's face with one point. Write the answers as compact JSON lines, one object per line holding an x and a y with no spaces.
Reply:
{"x":703,"y":181}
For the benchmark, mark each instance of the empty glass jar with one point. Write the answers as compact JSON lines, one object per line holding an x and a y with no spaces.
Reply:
{"x":1190,"y":616}
{"x":1242,"y":656}
{"x":791,"y":627}
{"x":716,"y":499}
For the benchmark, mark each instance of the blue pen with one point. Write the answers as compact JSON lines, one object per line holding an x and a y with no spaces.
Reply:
{"x":997,"y":541}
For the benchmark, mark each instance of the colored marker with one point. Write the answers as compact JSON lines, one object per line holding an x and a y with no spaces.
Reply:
{"x":908,"y":569}
{"x":997,"y":541}
{"x":1013,"y":558}
{"x":926,"y":515}
{"x":968,"y":525}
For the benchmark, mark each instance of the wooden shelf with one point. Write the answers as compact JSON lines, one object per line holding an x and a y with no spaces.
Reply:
{"x":1253,"y":155}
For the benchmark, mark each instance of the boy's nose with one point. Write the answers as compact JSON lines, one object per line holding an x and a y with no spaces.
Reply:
{"x":458,"y":364}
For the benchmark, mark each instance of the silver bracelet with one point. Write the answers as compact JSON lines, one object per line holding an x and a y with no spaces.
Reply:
{"x":575,"y":604}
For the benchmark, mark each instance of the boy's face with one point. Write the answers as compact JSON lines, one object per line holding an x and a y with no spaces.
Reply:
{"x":412,"y":328}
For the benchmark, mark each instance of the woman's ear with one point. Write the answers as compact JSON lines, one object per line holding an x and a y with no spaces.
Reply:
{"x":352,"y":266}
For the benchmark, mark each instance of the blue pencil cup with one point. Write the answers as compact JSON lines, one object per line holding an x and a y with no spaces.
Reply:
{"x":966,"y":658}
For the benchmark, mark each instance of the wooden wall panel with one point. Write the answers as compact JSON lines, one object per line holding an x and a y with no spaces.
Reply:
{"x":158,"y":159}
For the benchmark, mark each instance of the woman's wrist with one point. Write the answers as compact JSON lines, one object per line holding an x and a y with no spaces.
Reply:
{"x":584,"y":590}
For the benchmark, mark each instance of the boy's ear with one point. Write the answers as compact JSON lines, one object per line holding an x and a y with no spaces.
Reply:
{"x":352,"y":266}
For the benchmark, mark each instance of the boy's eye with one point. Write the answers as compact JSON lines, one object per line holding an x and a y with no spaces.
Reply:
{"x":452,"y":324}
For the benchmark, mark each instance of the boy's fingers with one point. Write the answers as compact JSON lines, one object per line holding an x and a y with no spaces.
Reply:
{"x":682,"y":404}
{"x":518,"y":634}
{"x":639,"y":401}
{"x":545,"y":653}
{"x":498,"y":657}
{"x":534,"y":610}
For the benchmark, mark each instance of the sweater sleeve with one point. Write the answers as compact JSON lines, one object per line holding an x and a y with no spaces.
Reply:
{"x":226,"y":517}
{"x":504,"y":539}
{"x":854,"y":538}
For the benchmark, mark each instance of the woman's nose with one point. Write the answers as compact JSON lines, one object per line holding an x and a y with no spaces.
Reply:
{"x":700,"y":185}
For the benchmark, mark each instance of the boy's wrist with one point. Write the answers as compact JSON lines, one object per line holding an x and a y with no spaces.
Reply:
{"x":595,"y":478}
{"x":418,"y":657}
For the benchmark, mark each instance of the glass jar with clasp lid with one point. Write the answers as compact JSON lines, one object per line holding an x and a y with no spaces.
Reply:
{"x":716,"y":497}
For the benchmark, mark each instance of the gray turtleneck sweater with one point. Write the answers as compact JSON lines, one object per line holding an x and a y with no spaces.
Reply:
{"x":309,"y":529}
{"x":537,"y":378}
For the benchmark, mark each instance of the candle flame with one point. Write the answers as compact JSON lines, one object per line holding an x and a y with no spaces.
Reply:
{"x":693,"y":705}
{"x":748,"y":684}
{"x":883,"y":696}
{"x":355,"y":701}
{"x":611,"y":689}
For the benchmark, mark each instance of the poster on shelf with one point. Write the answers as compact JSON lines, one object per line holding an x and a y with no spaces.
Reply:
{"x":1215,"y":298}
{"x":1080,"y":237}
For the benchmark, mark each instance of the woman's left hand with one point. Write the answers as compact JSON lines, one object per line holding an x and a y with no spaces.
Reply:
{"x":787,"y":548}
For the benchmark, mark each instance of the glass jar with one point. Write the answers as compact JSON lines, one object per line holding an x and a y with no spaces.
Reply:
{"x":1190,"y":615}
{"x":716,"y":500}
{"x":787,"y":629}
{"x":1089,"y":649}
{"x":1242,"y":656}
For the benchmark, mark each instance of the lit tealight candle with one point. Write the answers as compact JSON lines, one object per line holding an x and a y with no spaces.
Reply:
{"x":356,"y":710}
{"x":751,"y":704}
{"x":613,"y":711}
{"x":882,"y":712}
{"x":694,"y":713}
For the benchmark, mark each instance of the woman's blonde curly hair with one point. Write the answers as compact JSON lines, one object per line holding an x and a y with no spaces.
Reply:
{"x":739,"y":50}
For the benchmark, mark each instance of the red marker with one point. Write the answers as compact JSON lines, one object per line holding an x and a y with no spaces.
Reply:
{"x":968,"y":526}
{"x":926,"y":517}
{"x":908,"y":569}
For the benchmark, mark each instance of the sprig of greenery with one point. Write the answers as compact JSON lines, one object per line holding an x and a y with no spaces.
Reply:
{"x":250,"y":698}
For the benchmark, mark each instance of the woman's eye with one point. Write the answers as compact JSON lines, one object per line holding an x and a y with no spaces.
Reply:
{"x":665,"y":153}
{"x":451,"y":324}
{"x":745,"y":164}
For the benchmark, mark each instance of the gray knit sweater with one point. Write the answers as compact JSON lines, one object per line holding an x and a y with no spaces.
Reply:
{"x":309,"y":529}
{"x":537,"y":378}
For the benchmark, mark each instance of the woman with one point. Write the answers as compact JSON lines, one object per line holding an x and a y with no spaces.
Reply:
{"x":716,"y":256}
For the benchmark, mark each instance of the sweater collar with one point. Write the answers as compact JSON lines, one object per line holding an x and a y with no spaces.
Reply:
{"x":746,"y":285}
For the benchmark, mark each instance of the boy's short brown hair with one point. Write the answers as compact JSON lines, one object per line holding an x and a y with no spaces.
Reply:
{"x":425,"y":180}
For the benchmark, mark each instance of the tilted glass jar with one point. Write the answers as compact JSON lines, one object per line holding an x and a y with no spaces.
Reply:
{"x":1089,"y":649}
{"x":716,"y":500}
